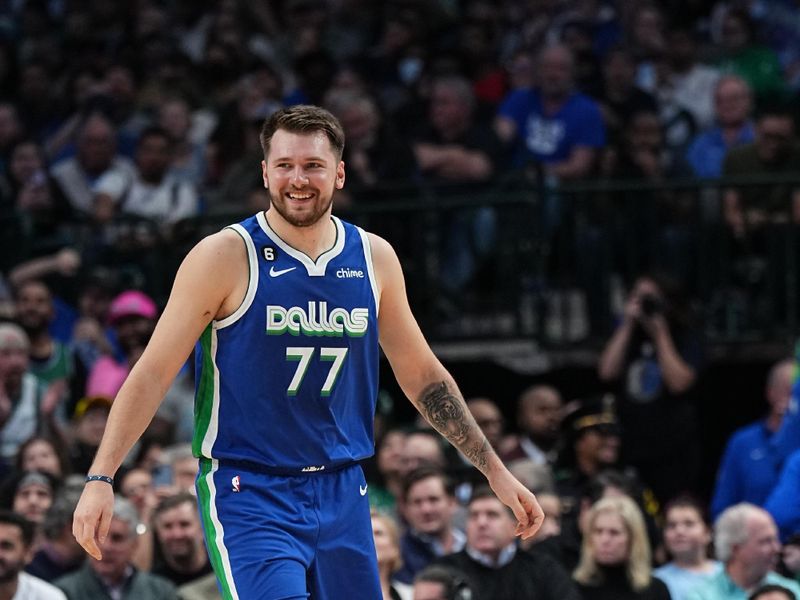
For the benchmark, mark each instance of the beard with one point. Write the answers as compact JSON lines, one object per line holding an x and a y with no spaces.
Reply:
{"x":306,"y":219}
{"x":9,"y":571}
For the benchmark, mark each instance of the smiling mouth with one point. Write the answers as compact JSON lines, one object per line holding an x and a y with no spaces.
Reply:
{"x":299,"y":197}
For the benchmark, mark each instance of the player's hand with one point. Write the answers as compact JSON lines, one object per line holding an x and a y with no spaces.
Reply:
{"x":92,"y":518}
{"x":520,"y":500}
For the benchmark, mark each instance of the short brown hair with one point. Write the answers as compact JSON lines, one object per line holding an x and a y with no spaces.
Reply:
{"x":304,"y":119}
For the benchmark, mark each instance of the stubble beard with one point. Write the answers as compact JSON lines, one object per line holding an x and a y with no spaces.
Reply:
{"x":319,"y":210}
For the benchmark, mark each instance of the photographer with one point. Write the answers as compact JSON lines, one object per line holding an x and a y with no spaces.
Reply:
{"x":652,"y":359}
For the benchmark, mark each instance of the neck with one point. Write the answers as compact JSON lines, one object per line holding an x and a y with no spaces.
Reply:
{"x":774,"y":422}
{"x":552,"y":102}
{"x":41,"y":343}
{"x":312,"y":240}
{"x":730,"y":131}
{"x":691,"y":562}
{"x":189,"y":564}
{"x":742,"y":576}
{"x":586,"y":465}
{"x":8,"y":589}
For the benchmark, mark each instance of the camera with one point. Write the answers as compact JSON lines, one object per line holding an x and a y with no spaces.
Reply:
{"x":651,"y":305}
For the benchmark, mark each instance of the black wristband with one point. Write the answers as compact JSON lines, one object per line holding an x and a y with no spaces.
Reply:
{"x":106,"y":478}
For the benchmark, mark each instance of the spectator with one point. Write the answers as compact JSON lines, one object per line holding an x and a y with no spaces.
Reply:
{"x":21,"y":392}
{"x":31,"y":495}
{"x":441,"y":583}
{"x":58,"y":554}
{"x":132,"y":314}
{"x":772,"y":592}
{"x":11,"y":130}
{"x":552,"y":124}
{"x":733,"y":104}
{"x":775,"y":151}
{"x":539,"y":414}
{"x":782,"y":502}
{"x":114,"y":577}
{"x":152,"y":192}
{"x":615,"y":556}
{"x":50,"y":360}
{"x":619,"y":96}
{"x":181,"y":465}
{"x":748,"y":471}
{"x":387,"y":485}
{"x":653,"y":360}
{"x":180,"y":537}
{"x":591,"y":445}
{"x":188,"y":156}
{"x":495,"y":566}
{"x":687,"y":538}
{"x":387,"y":547}
{"x":746,"y":542}
{"x":488,"y":416}
{"x":744,"y":56}
{"x":96,"y":154}
{"x":429,"y":508}
{"x":422,"y":448}
{"x":43,"y":453}
{"x":790,"y":559}
{"x":16,"y":538}
{"x":91,"y":414}
{"x":459,"y":153}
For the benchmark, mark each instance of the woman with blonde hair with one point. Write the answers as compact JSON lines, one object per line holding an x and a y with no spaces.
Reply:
{"x":387,"y":547}
{"x":615,"y":555}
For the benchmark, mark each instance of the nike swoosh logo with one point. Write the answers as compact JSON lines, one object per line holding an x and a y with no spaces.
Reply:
{"x":363,"y":490}
{"x":274,"y":273}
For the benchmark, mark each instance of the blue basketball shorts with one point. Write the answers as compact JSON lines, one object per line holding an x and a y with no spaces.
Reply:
{"x":283,"y":537}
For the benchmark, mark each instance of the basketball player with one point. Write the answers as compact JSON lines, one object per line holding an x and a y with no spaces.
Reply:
{"x":289,"y":307}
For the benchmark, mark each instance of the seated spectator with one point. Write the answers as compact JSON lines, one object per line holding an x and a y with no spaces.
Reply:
{"x":188,"y":161}
{"x":744,"y":56}
{"x":489,"y":418}
{"x":133,"y":315}
{"x":774,"y":151}
{"x":747,"y":471}
{"x":539,"y":414}
{"x":496,"y":568}
{"x":89,"y":424}
{"x":44,"y":453}
{"x":552,"y":508}
{"x":96,"y":155}
{"x":619,"y":96}
{"x":782,"y":502}
{"x":387,"y":547}
{"x":551,"y":124}
{"x":180,"y":537}
{"x":423,"y":448}
{"x":21,"y":393}
{"x":114,"y":576}
{"x":16,"y":539}
{"x":746,"y":542}
{"x":772,"y":592}
{"x":591,"y":445}
{"x":429,"y":507}
{"x":441,"y":583}
{"x":59,"y":553}
{"x":180,"y":468}
{"x":687,"y":538}
{"x":615,"y":556}
{"x":31,"y":494}
{"x":790,"y":558}
{"x":151,"y":191}
{"x":387,"y":485}
{"x":733,"y":105}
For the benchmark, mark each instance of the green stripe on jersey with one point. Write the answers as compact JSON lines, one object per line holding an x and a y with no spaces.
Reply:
{"x":204,"y":397}
{"x":213,"y":533}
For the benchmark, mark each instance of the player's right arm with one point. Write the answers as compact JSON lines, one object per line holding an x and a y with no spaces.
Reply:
{"x":209,"y":284}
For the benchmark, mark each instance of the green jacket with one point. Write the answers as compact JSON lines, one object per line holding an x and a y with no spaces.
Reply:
{"x":85,"y":585}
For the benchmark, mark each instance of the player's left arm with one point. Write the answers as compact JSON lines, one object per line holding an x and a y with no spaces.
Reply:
{"x":433,"y":391}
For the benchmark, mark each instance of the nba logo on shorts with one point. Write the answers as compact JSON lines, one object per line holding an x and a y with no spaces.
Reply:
{"x":235,"y":483}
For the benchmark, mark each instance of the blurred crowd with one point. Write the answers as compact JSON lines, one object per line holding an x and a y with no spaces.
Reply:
{"x":122,"y":122}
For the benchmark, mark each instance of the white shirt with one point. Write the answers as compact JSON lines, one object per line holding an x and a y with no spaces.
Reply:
{"x":33,"y":588}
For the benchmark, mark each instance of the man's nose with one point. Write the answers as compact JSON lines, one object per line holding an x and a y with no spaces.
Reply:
{"x":299,"y":177}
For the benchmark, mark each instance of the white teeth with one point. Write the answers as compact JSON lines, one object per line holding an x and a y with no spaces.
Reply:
{"x":299,"y":196}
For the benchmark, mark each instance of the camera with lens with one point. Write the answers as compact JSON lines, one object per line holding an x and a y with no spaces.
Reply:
{"x":651,"y":305}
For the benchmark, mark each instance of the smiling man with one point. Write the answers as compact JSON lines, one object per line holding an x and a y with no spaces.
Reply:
{"x":287,"y":383}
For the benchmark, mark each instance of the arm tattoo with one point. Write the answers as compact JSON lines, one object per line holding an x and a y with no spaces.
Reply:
{"x":446,"y":412}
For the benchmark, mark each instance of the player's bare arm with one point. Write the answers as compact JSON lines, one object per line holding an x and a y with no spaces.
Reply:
{"x":208,"y":285}
{"x":433,"y":391}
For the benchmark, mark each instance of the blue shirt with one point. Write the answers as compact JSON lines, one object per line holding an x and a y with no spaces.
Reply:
{"x":681,"y":581}
{"x":290,"y":379}
{"x":720,"y":587}
{"x":747,"y":471}
{"x":551,"y":138}
{"x":784,"y":501}
{"x":707,"y":151}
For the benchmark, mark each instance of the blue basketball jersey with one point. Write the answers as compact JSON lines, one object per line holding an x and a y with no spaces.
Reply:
{"x":290,"y":379}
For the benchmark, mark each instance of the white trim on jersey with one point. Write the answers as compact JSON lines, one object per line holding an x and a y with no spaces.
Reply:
{"x":370,"y":269}
{"x":213,"y":422}
{"x":252,"y":285}
{"x":219,"y":538}
{"x":314,"y":268}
